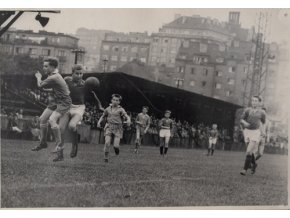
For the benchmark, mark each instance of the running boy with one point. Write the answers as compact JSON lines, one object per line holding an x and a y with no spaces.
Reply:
{"x":142,"y":126}
{"x":251,"y":121}
{"x":115,"y":115}
{"x":166,"y":125}
{"x":212,"y":139}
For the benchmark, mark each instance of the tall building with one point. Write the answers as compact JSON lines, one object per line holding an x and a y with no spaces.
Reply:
{"x":211,"y":58}
{"x":40,"y":44}
{"x":91,"y":41}
{"x":120,"y":48}
{"x":165,"y":44}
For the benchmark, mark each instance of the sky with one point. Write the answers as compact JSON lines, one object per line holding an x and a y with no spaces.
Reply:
{"x":150,"y":20}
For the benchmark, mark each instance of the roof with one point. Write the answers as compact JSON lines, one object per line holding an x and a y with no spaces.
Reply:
{"x":186,"y":22}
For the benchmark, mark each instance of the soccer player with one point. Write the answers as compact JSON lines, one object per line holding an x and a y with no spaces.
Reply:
{"x":212,"y":140}
{"x":142,"y":126}
{"x":166,"y":125}
{"x":251,"y":120}
{"x":59,"y":104}
{"x":115,"y":115}
{"x":76,"y":85}
{"x":264,"y":134}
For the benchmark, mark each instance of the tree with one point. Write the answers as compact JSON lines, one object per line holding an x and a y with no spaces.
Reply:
{"x":20,"y":64}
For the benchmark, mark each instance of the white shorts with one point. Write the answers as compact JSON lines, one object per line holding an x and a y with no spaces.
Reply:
{"x":77,"y":109}
{"x":165,"y":133}
{"x":252,"y":135}
{"x":212,"y":140}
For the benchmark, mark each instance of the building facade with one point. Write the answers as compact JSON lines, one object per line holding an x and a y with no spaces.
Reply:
{"x":119,"y":48}
{"x":91,"y":41}
{"x":41,"y":44}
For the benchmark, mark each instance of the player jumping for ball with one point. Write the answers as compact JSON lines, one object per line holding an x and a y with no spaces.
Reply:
{"x":74,"y":116}
{"x":212,"y":140}
{"x":166,"y":125}
{"x":115,"y":115}
{"x":251,"y":120}
{"x":55,"y":84}
{"x":142,"y":126}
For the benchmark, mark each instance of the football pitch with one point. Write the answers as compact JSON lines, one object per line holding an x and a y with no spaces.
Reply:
{"x":186,"y":177}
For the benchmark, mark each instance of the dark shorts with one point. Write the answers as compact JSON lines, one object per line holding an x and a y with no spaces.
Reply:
{"x":63,"y":105}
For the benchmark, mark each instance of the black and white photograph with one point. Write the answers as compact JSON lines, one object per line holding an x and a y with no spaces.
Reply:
{"x":144,"y":107}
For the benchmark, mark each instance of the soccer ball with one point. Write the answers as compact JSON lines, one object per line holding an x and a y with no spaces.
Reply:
{"x":92,"y":83}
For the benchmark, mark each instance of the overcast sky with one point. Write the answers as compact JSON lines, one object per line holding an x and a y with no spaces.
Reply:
{"x":140,"y":20}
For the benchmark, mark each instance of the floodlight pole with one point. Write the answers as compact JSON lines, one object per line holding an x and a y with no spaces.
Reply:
{"x":4,"y":29}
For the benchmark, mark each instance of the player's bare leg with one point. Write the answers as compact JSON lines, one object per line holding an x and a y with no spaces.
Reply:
{"x":117,"y":145}
{"x":108,"y":139}
{"x":161,"y":146}
{"x":166,"y":145}
{"x":72,"y":126}
{"x":43,"y":129}
{"x":56,"y":130}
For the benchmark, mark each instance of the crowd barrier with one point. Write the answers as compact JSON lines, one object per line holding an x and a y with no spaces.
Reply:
{"x":96,"y":136}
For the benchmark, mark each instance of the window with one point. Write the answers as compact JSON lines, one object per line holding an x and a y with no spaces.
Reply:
{"x":45,"y":52}
{"x":115,"y":48}
{"x":229,"y":93}
{"x":218,"y":86}
{"x":245,"y":70}
{"x":105,"y":57}
{"x":220,"y":60}
{"x":203,"y":48}
{"x":192,"y":83}
{"x":218,"y":73}
{"x":231,"y":81}
{"x":113,"y":68}
{"x":32,"y":51}
{"x":232,"y":69}
{"x":106,"y":47}
{"x":156,"y":40}
{"x":114,"y":58}
{"x":143,"y":60}
{"x":19,"y":50}
{"x":166,"y":40}
{"x":124,"y":59}
{"x":61,"y":53}
{"x":203,"y":83}
{"x":192,"y":71}
{"x":216,"y":96}
{"x":153,"y":59}
{"x":205,"y":71}
{"x":134,"y":49}
{"x":124,"y":49}
{"x":181,"y":69}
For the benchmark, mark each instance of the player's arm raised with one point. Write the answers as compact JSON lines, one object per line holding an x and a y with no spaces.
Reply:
{"x":98,"y":101}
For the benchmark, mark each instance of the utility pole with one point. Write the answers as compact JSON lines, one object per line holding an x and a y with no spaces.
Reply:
{"x":77,"y":52}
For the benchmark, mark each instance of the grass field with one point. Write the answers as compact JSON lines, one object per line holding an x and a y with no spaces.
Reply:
{"x":184,"y":178}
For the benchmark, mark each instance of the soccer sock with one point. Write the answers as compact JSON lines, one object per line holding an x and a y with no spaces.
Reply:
{"x":253,"y":159}
{"x":258,"y":157}
{"x":57,"y":135}
{"x":117,"y":150}
{"x":165,"y":151}
{"x":247,"y":161}
{"x":75,"y":137}
{"x":43,"y":133}
{"x":106,"y":154}
{"x":161,"y":150}
{"x":208,"y":151}
{"x":212,"y":151}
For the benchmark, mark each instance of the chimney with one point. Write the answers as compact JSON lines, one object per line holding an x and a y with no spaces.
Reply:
{"x":234,"y":17}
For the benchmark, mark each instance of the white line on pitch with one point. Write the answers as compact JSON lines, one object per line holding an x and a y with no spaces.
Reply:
{"x":59,"y":185}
